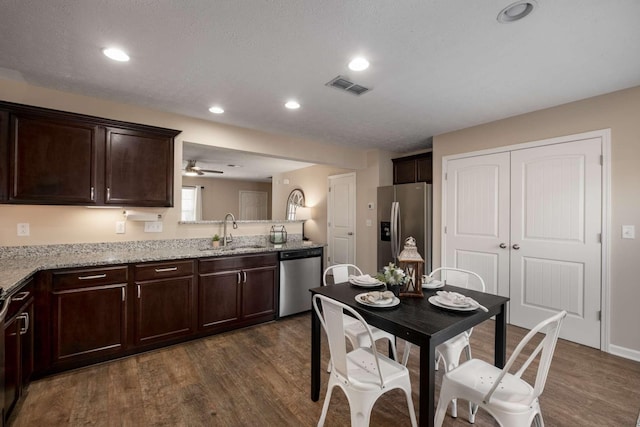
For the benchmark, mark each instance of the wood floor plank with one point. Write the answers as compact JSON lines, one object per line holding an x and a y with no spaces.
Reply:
{"x":259,"y":376}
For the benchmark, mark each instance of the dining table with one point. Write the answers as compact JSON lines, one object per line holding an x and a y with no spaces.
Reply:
{"x":420,"y":322}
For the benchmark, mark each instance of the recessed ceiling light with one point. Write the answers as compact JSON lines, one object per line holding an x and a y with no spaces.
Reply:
{"x":234,"y":166}
{"x":216,"y":110}
{"x":116,"y":54}
{"x":292,"y":105}
{"x":358,"y":64}
{"x":516,"y":11}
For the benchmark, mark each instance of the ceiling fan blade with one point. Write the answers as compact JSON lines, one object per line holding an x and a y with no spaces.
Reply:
{"x":210,"y":170}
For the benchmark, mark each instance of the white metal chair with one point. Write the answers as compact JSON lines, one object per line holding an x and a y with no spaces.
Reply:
{"x":449,"y":351}
{"x":353,"y":329}
{"x":363,"y":374}
{"x":507,"y":397}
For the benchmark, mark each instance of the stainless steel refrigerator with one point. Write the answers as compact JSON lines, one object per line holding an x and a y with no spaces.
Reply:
{"x":404,"y":210}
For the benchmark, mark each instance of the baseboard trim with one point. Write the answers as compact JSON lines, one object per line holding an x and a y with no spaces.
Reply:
{"x":627,"y":353}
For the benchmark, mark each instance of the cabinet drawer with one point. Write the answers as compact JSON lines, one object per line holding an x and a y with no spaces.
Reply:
{"x":162,"y":270}
{"x":214,"y":265}
{"x":81,"y":278}
{"x":20,"y":298}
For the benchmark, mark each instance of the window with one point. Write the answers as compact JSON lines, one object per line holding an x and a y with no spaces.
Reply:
{"x":191,"y":203}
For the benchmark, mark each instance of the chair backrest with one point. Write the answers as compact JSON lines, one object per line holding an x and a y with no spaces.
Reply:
{"x":331,"y":318}
{"x":551,"y":328}
{"x":340,"y":273}
{"x":459,"y":277}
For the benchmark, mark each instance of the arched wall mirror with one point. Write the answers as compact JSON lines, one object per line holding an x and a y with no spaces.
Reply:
{"x":295,"y":199}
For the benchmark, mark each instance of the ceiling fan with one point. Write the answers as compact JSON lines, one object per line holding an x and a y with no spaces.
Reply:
{"x":192,"y":170}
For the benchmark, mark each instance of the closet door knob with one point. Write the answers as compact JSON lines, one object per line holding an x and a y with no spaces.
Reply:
{"x":503,"y":245}
{"x":516,"y":246}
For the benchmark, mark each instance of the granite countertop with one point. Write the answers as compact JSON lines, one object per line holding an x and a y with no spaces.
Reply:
{"x":17,"y":268}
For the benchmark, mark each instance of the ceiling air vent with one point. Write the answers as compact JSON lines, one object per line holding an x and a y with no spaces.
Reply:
{"x":345,"y":84}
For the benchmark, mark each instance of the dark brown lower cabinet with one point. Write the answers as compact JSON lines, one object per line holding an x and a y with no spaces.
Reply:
{"x":88,"y":315}
{"x":18,"y":343}
{"x":236,"y":291}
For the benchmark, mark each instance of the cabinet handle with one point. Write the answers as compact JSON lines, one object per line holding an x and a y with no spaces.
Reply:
{"x":95,"y":276}
{"x":238,"y":278}
{"x":244,"y":277}
{"x":20,"y":296}
{"x":108,"y":193}
{"x":138,"y":288}
{"x":92,"y":193}
{"x":25,"y":317}
{"x":164,"y":270}
{"x":124,"y":294}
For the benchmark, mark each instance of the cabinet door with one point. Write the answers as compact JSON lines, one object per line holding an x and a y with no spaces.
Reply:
{"x":26,"y":344}
{"x":218,"y":299}
{"x":424,"y":167}
{"x":404,"y":171}
{"x":52,"y":161}
{"x":11,"y":364}
{"x":88,"y":322}
{"x":163,"y":309}
{"x":258,"y":292}
{"x":139,"y":168}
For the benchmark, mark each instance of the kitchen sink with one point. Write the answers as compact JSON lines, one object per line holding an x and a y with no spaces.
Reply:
{"x":233,"y":247}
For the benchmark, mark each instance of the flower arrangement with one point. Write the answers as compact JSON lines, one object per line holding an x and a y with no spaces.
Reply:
{"x":392,"y":275}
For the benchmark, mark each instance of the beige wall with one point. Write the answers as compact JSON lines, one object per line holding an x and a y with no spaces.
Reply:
{"x":220,"y":196}
{"x":68,"y":224}
{"x":619,"y":111}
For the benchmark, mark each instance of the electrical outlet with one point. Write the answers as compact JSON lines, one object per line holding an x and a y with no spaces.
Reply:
{"x":628,"y":232}
{"x":369,"y":223}
{"x":23,"y":229}
{"x":120,"y":227}
{"x":153,"y":227}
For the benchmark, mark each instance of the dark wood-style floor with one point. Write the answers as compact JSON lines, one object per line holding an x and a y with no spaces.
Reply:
{"x":259,"y":376}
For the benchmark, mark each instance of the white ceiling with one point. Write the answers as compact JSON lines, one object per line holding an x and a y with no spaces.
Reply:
{"x":436,"y":66}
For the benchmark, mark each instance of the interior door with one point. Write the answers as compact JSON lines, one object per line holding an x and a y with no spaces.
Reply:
{"x":341,"y":217}
{"x":477,"y":218}
{"x":529,"y":221}
{"x":253,"y":205}
{"x":556,"y":210}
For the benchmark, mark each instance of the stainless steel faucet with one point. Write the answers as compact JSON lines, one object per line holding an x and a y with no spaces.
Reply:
{"x":228,"y":239}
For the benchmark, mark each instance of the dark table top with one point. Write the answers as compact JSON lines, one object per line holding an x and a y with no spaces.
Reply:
{"x":416,"y":319}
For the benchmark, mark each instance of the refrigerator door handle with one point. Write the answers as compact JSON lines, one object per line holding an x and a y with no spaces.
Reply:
{"x":396,"y":231}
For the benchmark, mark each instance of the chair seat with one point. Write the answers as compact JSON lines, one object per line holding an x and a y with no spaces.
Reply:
{"x":473,"y":379}
{"x":363,"y":374}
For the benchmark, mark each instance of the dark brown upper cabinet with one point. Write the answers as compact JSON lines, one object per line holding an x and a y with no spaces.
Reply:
{"x":59,"y":158}
{"x":417,"y":168}
{"x":139,"y":157}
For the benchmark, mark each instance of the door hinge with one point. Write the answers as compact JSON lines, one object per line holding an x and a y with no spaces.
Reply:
{"x":601,"y":160}
{"x":599,"y":237}
{"x":329,"y":259}
{"x":329,"y":189}
{"x":446,"y":176}
{"x":599,"y":315}
{"x":445,"y":229}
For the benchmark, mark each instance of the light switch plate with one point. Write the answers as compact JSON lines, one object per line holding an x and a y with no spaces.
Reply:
{"x":371,"y":206}
{"x":628,"y":232}
{"x":153,"y":227}
{"x":120,"y":227}
{"x":369,"y":223}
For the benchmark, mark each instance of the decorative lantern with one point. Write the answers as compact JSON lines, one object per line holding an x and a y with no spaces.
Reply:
{"x":412,"y":264}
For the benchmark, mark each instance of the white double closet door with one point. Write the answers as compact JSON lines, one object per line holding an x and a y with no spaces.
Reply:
{"x":529,"y":221}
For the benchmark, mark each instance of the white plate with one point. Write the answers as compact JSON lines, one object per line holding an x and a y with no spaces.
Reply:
{"x":392,"y":301}
{"x":434,"y":284}
{"x":435,"y":301}
{"x":365,"y":285}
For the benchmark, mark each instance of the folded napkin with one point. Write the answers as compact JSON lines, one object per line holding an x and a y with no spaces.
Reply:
{"x":456,"y":299}
{"x":365,"y":279}
{"x":378,"y":297}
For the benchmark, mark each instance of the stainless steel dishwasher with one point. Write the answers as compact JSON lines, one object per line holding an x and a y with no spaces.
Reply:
{"x":300,"y":270}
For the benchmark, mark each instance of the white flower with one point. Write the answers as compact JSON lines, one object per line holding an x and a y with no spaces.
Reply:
{"x":393,"y":275}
